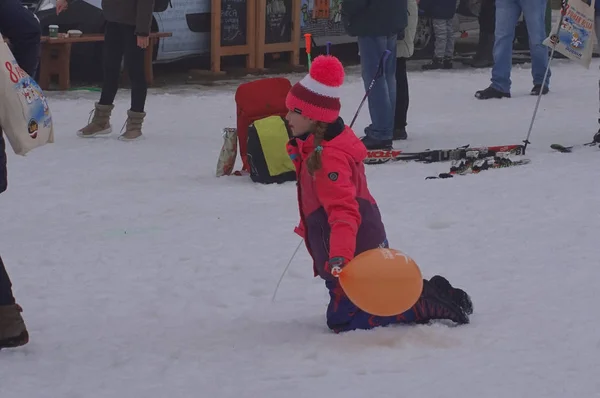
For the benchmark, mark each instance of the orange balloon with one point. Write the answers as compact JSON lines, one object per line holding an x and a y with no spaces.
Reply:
{"x":382,"y":282}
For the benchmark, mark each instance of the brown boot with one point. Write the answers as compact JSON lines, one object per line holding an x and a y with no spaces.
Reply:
{"x":13,"y":332}
{"x":100,"y":123}
{"x":133,"y":126}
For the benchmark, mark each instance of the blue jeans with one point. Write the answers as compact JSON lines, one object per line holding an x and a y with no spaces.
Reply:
{"x":507,"y":15}
{"x":382,"y":99}
{"x":23,"y":30}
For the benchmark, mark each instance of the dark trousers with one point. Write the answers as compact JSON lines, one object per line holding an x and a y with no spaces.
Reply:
{"x":6,"y":297}
{"x":120,"y":41}
{"x":401,"y":95}
{"x":23,"y":31}
{"x":487,"y":17}
{"x":343,"y":315}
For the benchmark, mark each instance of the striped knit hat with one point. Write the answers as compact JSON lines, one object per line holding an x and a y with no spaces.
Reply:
{"x":317,"y":95}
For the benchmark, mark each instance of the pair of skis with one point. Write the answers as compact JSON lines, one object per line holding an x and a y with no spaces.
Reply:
{"x":476,"y":162}
{"x":380,"y":156}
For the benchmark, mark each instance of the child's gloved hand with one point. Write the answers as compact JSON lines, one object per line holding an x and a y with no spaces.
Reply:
{"x":334,"y":265}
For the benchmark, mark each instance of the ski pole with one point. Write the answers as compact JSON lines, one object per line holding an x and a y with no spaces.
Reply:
{"x":554,"y":40}
{"x":307,"y":45}
{"x":285,"y":270}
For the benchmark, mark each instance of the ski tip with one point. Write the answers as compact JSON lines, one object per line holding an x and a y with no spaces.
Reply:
{"x":377,"y":161}
{"x":440,"y":176}
{"x":560,"y":148}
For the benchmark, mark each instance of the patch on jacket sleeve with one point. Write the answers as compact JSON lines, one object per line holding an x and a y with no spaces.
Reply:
{"x":333,"y":176}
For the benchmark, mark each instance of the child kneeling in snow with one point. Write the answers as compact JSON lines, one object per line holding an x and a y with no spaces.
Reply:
{"x":339,"y":218}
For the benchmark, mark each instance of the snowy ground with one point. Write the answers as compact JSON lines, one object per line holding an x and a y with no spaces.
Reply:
{"x":143,"y":275}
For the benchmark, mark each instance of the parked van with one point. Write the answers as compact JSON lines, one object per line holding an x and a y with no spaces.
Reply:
{"x":466,"y":24}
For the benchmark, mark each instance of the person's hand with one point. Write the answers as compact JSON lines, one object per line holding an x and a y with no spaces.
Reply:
{"x":61,"y":5}
{"x":143,"y":41}
{"x":334,"y":266}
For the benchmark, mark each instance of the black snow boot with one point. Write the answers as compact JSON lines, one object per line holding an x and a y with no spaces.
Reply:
{"x":458,"y":296}
{"x":373,"y":144}
{"x":13,"y":332}
{"x":484,"y":57}
{"x":536,"y":90}
{"x":597,"y":136}
{"x":489,"y":93}
{"x":436,"y":63}
{"x":400,"y":134}
{"x":447,"y":63}
{"x":435,"y":304}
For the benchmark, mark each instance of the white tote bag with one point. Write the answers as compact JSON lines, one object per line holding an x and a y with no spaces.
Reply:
{"x":25,"y":116}
{"x":576,"y":34}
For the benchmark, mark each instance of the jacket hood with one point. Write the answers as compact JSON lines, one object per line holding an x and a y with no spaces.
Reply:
{"x":338,"y":136}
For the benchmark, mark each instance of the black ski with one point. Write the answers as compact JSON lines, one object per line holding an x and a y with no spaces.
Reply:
{"x":379,"y":156}
{"x":569,"y":149}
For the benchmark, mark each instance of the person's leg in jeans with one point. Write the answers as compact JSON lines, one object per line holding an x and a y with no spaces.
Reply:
{"x":23,"y":31}
{"x":548,"y":18}
{"x":402,"y":99}
{"x":134,"y":62}
{"x":507,"y":15}
{"x":379,"y":132}
{"x":534,"y":12}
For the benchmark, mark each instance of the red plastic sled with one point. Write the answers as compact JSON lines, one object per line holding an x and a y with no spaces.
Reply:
{"x":256,"y":100}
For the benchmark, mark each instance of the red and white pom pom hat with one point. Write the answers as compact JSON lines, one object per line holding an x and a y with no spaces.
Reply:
{"x":317,"y":95}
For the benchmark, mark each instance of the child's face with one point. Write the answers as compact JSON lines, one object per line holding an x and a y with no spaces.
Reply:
{"x":298,"y":124}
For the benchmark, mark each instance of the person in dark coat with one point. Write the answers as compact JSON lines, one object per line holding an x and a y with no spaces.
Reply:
{"x":23,"y":31}
{"x":126,"y":35}
{"x":377,"y":26}
{"x":13,"y":332}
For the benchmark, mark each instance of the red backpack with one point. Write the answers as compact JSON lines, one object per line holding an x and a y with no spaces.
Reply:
{"x":256,"y":100}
